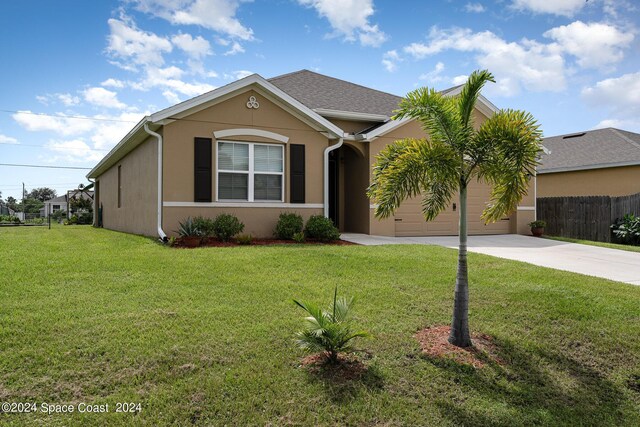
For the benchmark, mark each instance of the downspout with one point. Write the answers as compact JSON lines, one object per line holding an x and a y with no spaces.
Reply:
{"x":326,"y":174}
{"x":161,"y":234}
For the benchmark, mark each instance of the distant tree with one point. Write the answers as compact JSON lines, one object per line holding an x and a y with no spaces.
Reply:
{"x":12,"y":202}
{"x":43,"y":194}
{"x":30,"y":206}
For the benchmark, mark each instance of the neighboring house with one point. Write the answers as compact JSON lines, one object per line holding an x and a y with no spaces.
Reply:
{"x":54,"y":205}
{"x":603,"y":162}
{"x":301,"y":142}
{"x":60,"y":203}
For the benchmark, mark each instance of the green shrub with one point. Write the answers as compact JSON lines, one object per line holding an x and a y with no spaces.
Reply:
{"x":538,"y":224}
{"x":627,"y":229}
{"x":244,"y":239}
{"x":225,"y":226}
{"x":204,"y":225}
{"x":85,"y":218}
{"x":187,"y":228}
{"x":289,"y":223}
{"x":328,"y":330}
{"x":299,"y":237}
{"x":73,"y":220}
{"x":321,"y":228}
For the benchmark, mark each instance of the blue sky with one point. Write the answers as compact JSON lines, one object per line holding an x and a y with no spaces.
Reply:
{"x":574,"y":64}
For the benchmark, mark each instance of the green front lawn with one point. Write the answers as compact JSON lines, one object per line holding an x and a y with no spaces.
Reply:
{"x":205,"y":336}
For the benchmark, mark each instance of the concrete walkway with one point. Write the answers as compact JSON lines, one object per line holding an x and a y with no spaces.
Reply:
{"x":613,"y":264}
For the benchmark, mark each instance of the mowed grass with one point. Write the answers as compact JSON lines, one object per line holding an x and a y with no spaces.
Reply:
{"x":629,"y":248}
{"x":205,"y":336}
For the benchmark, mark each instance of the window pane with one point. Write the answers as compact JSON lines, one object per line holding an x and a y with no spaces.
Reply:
{"x":267,"y":187}
{"x":233,"y":186}
{"x":267,"y":158}
{"x":233,"y":156}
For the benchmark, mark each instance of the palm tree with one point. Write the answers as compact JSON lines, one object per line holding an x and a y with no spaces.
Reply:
{"x":502,"y":152}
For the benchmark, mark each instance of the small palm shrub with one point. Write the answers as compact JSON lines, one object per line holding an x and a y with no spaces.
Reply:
{"x":627,"y":229}
{"x":204,"y":226}
{"x":330,"y":330}
{"x":288,"y":225}
{"x":225,"y":226}
{"x":321,"y":228}
{"x":299,"y":237}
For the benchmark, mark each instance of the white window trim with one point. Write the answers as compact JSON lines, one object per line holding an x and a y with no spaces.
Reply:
{"x":251,"y":173}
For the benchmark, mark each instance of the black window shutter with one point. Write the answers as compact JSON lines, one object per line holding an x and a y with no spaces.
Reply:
{"x":202,"y":168}
{"x":296,"y":173}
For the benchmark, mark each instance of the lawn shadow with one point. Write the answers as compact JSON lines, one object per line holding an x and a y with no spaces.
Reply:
{"x":533,"y":387}
{"x":345,"y":380}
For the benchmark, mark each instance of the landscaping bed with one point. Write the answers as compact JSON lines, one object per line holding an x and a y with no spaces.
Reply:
{"x":213,"y":242}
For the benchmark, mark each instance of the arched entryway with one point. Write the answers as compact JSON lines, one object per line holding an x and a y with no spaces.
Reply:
{"x":348,"y":182}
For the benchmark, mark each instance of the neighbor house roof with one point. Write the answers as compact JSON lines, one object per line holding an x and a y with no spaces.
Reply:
{"x":59,"y":199}
{"x":327,"y":95}
{"x":594,"y":149}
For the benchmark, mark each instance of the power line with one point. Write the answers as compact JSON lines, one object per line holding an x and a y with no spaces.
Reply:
{"x":66,"y":117}
{"x":43,"y":166}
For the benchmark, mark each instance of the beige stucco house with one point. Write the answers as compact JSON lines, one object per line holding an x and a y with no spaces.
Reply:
{"x":603,"y":162}
{"x":301,"y":142}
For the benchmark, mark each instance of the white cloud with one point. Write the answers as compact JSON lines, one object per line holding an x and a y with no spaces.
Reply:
{"x":113,"y":83}
{"x":4,"y":139}
{"x":169,"y":78}
{"x":620,"y":97}
{"x":390,"y":60}
{"x":529,"y":64}
{"x":235,"y":49}
{"x":459,"y":80}
{"x":217,"y":15}
{"x":474,"y":8}
{"x":620,"y":93}
{"x":170,"y":96}
{"x":596,"y":45}
{"x":350,"y":19}
{"x":237,"y":75}
{"x":434,"y":75}
{"x":59,"y":124}
{"x":106,"y":134}
{"x":68,"y":99}
{"x":554,"y":7}
{"x":196,"y":48}
{"x":102,"y":97}
{"x":75,"y":151}
{"x":135,"y":47}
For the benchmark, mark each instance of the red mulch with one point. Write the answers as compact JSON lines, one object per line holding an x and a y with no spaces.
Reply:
{"x":434,"y":343}
{"x":213,"y":242}
{"x":348,"y":366}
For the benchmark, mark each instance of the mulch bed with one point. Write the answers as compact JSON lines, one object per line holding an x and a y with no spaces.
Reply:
{"x":348,"y":367}
{"x":212,"y":242}
{"x":434,"y":343}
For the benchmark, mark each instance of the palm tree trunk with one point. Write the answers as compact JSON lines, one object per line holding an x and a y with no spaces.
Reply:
{"x":459,"y":334}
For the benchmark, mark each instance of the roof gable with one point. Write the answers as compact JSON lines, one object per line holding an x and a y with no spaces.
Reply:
{"x":594,"y":149}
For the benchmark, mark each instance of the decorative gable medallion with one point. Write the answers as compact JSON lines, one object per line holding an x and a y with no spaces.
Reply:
{"x":253,"y":103}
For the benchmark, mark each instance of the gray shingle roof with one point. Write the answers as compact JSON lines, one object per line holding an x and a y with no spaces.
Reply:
{"x":319,"y":91}
{"x":591,"y":149}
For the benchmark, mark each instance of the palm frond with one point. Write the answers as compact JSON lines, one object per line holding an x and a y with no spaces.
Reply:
{"x":511,"y":142}
{"x":469,"y":95}
{"x":439,"y":115}
{"x":408,"y":167}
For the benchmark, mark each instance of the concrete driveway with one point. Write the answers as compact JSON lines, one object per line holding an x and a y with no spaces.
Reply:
{"x":613,"y":264}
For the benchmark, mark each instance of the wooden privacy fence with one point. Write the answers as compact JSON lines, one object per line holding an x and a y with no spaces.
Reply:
{"x":585,"y":217}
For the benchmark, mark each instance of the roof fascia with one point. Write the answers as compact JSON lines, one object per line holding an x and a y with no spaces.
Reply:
{"x":351,"y":115}
{"x":589,"y":167}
